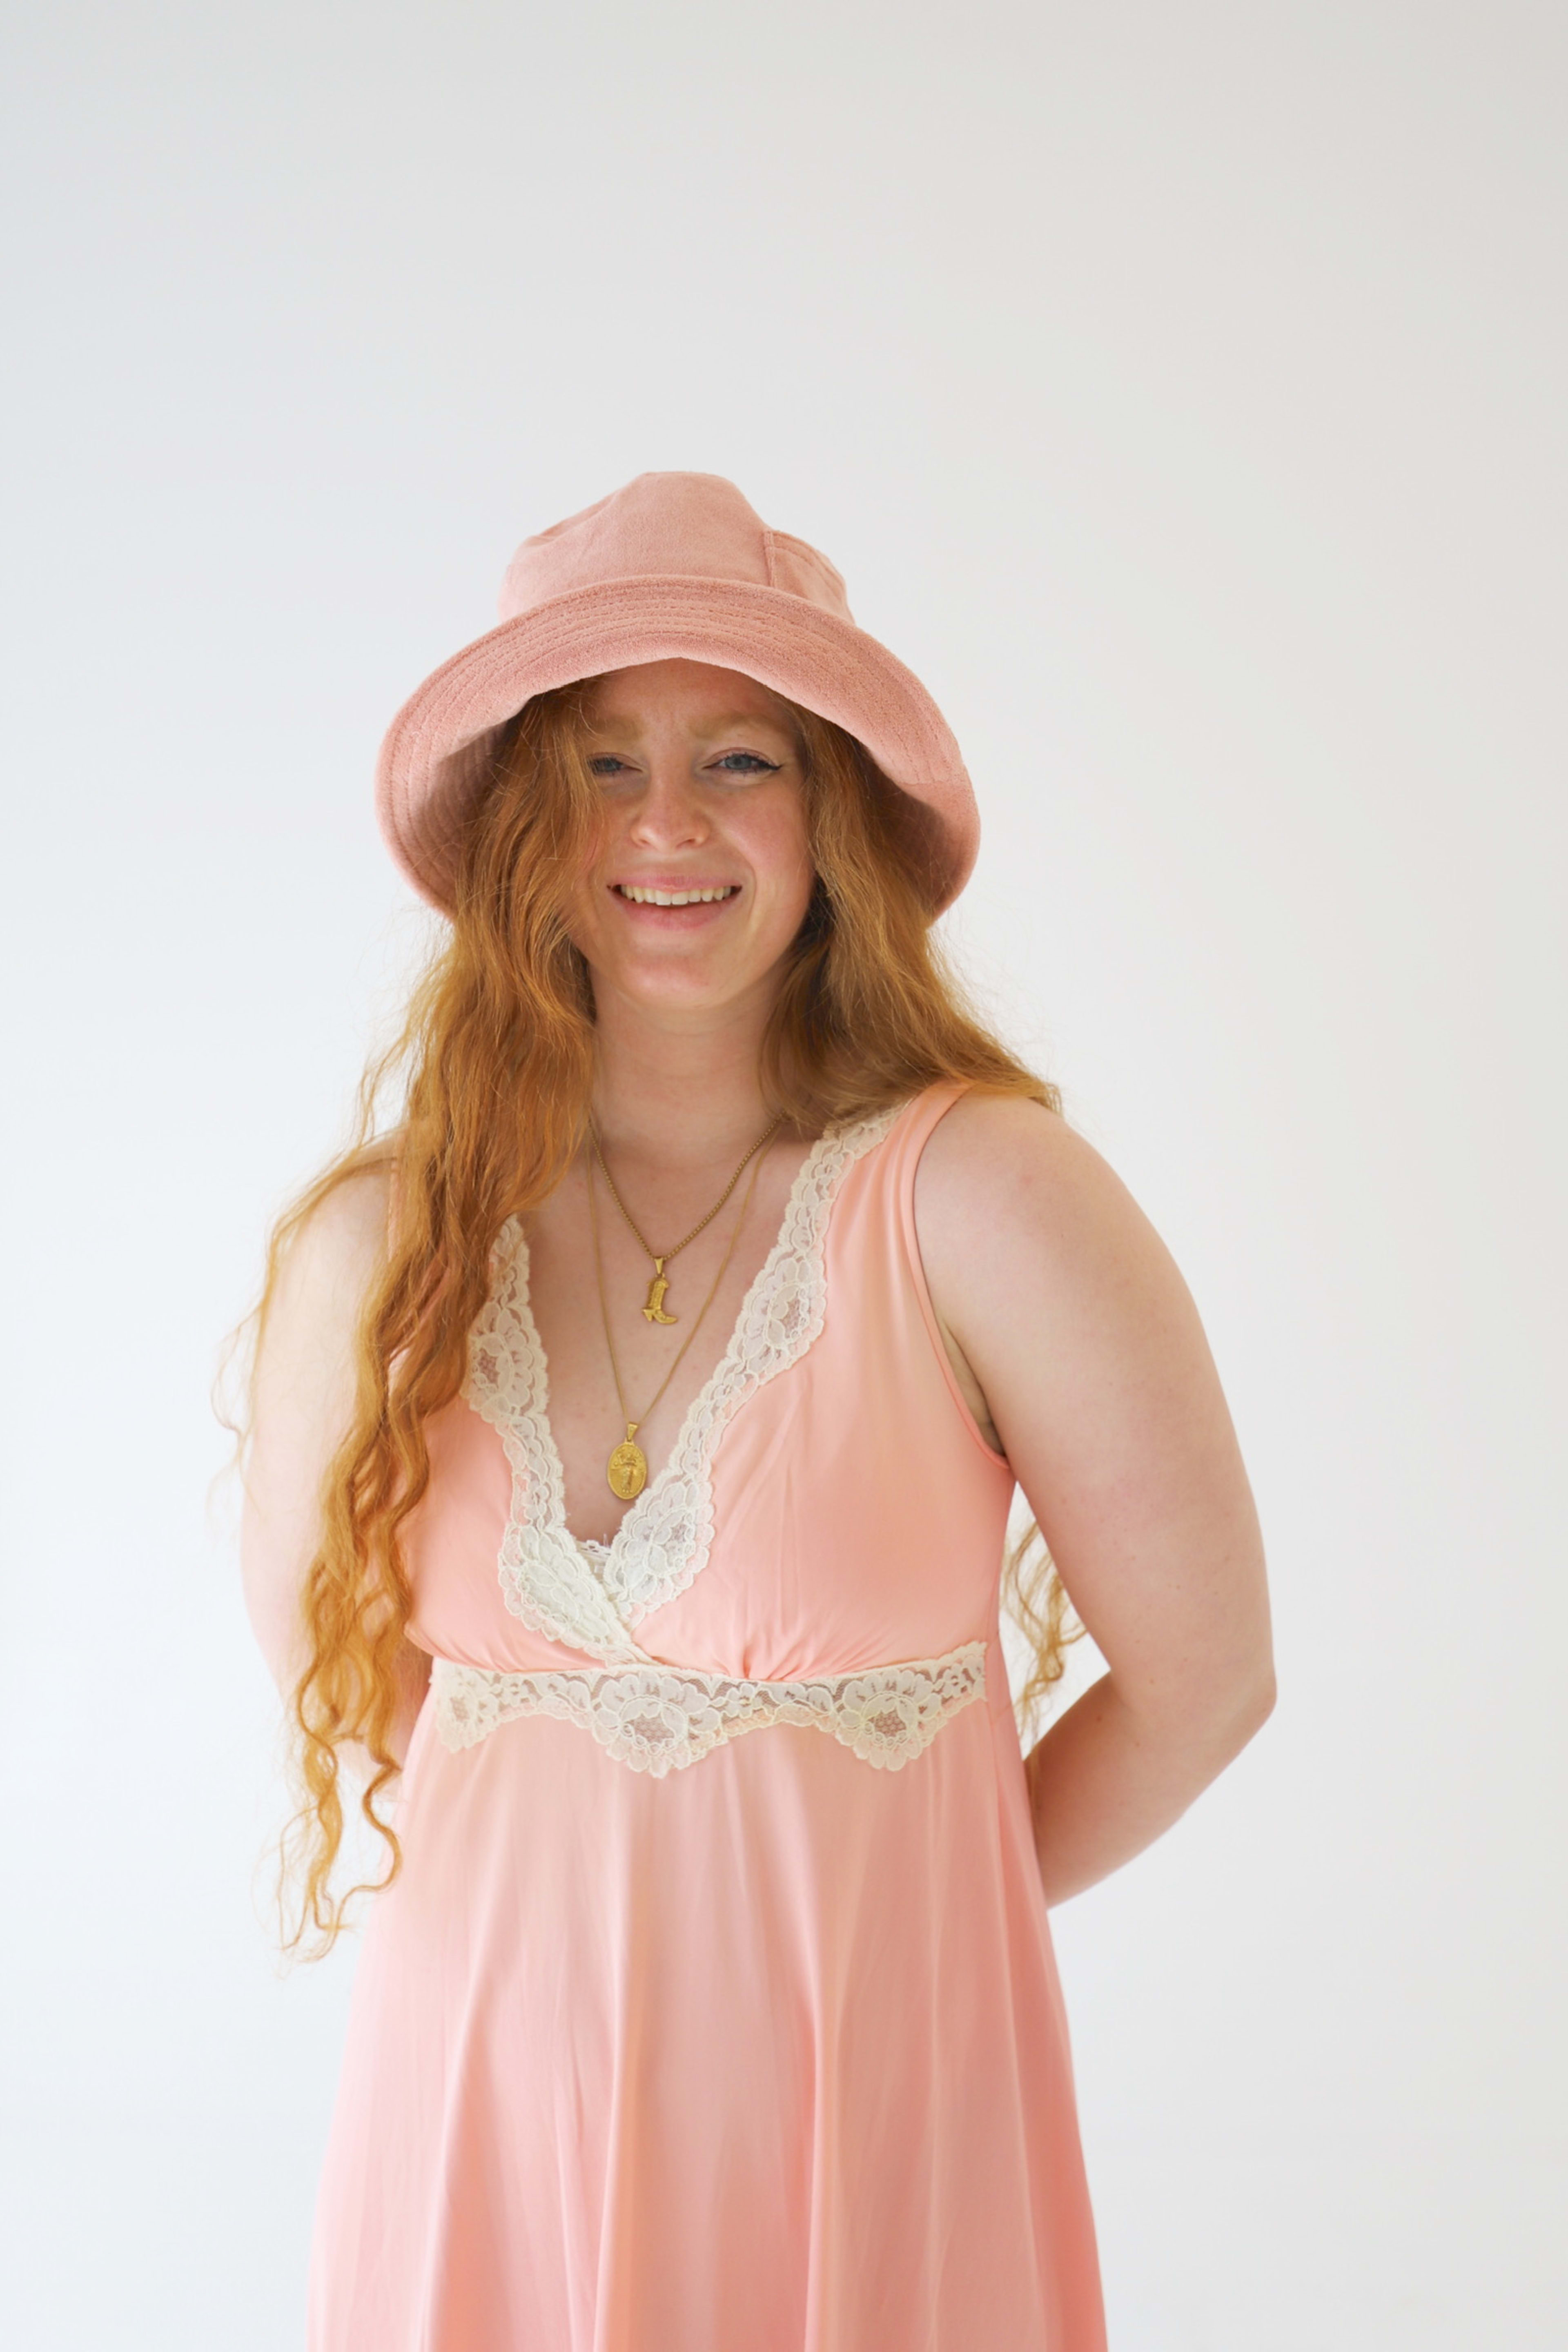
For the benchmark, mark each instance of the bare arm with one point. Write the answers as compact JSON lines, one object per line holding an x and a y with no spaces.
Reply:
{"x":1073,"y":1333}
{"x":303,"y":1403}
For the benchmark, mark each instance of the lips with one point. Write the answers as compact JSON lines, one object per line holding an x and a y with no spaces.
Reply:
{"x":674,"y":894}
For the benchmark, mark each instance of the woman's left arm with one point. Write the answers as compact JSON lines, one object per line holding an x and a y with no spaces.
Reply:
{"x":1072,"y":1331}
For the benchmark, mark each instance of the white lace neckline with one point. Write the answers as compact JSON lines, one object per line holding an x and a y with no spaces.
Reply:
{"x":646,"y":1504}
{"x":586,"y":1594}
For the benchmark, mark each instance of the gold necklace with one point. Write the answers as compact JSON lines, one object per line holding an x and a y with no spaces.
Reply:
{"x":655,"y":1310}
{"x":626,"y":1470}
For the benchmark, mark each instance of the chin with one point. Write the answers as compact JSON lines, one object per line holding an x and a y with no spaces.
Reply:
{"x":667,"y":991}
{"x":689,"y":984}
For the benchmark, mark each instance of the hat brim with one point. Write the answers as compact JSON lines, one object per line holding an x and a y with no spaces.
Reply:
{"x":436,"y":758}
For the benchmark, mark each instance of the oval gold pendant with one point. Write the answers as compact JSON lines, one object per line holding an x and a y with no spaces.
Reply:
{"x":627,"y":1472}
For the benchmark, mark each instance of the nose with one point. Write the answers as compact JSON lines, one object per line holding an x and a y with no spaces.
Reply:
{"x":669,"y":814}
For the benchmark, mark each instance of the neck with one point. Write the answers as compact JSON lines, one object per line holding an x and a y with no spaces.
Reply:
{"x":681,"y":1089}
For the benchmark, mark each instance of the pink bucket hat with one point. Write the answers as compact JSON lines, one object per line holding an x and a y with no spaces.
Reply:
{"x":671,"y":564}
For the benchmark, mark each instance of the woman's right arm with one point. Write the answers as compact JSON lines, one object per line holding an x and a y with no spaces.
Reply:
{"x":302,"y":1405}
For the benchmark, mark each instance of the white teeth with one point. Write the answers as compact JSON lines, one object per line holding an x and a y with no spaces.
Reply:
{"x":674,"y":898}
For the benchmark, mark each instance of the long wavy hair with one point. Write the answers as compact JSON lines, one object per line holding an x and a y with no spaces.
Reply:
{"x":491,"y":1075}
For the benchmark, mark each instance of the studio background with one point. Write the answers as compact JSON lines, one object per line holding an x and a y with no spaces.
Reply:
{"x":1181,"y":391}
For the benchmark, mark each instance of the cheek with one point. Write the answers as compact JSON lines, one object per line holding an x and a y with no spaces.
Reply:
{"x":780,"y":854}
{"x":585,"y":900}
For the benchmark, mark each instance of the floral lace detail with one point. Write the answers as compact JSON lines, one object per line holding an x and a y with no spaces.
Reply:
{"x":660,"y":1718}
{"x":545,"y":1579}
{"x":589,"y":1595}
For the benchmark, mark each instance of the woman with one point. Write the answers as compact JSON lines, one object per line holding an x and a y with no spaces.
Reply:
{"x":635,"y":1434}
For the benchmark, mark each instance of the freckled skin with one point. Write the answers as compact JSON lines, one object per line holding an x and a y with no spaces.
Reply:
{"x":702,"y":781}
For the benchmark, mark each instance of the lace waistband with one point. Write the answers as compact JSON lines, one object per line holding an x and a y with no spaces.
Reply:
{"x":660,"y":1718}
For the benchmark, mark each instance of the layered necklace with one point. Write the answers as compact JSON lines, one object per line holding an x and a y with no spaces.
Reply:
{"x":626,"y":1470}
{"x":654,"y":1309}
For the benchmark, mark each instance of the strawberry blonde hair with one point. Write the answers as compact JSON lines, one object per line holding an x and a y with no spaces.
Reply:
{"x":496,"y":1059}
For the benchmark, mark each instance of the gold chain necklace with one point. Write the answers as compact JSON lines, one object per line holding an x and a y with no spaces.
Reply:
{"x":626,"y":1470}
{"x":655,"y":1310}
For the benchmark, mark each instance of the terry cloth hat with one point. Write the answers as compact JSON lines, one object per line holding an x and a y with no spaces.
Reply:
{"x":671,"y":564}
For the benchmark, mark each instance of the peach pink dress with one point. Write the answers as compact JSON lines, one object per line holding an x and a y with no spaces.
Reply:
{"x":714,"y":2008}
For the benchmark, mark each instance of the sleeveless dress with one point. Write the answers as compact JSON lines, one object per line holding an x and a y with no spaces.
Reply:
{"x":714,"y":2008}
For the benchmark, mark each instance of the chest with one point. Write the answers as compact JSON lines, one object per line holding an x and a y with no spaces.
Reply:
{"x":627,"y":1342}
{"x":816,"y":1495}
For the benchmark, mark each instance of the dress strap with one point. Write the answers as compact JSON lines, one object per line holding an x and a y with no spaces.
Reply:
{"x":905,"y":1145}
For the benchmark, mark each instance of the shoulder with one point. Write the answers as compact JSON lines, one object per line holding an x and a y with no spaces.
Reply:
{"x":1016,"y":1214}
{"x":1005,"y":1157}
{"x":332,"y":1253}
{"x":303,"y":1393}
{"x":346,"y":1228}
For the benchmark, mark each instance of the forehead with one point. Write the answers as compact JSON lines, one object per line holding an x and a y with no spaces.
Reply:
{"x":698,"y":697}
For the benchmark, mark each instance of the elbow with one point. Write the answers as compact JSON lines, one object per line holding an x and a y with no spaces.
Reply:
{"x":1217,"y":1722}
{"x":1203,"y":1726}
{"x":1249,"y":1704}
{"x":1266,"y":1694}
{"x":1261,"y":1706}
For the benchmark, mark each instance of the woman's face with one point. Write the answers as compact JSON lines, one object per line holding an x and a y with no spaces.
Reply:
{"x":700,"y":779}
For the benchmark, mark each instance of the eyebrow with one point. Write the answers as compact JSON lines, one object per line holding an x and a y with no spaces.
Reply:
{"x":734,"y":721}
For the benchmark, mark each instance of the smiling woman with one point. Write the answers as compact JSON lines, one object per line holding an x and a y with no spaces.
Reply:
{"x":705,"y":862}
{"x":709,"y":1999}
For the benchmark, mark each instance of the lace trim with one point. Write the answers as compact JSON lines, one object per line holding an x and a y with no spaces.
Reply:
{"x":588,"y":1596}
{"x":660,"y":1718}
{"x":544,"y":1578}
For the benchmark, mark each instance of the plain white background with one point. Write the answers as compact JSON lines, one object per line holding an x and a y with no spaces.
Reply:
{"x":1180,"y":389}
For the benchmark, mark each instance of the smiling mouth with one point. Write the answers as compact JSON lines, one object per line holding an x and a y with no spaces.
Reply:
{"x":705,"y":897}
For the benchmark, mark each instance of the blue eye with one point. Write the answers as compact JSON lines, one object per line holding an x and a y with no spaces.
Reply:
{"x":609,"y":763}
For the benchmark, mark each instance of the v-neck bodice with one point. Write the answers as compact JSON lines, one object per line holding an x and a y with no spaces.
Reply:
{"x":653,"y":1550}
{"x":834,"y":1370}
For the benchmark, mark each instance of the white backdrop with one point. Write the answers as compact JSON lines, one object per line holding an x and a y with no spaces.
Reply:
{"x":1180,"y":388}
